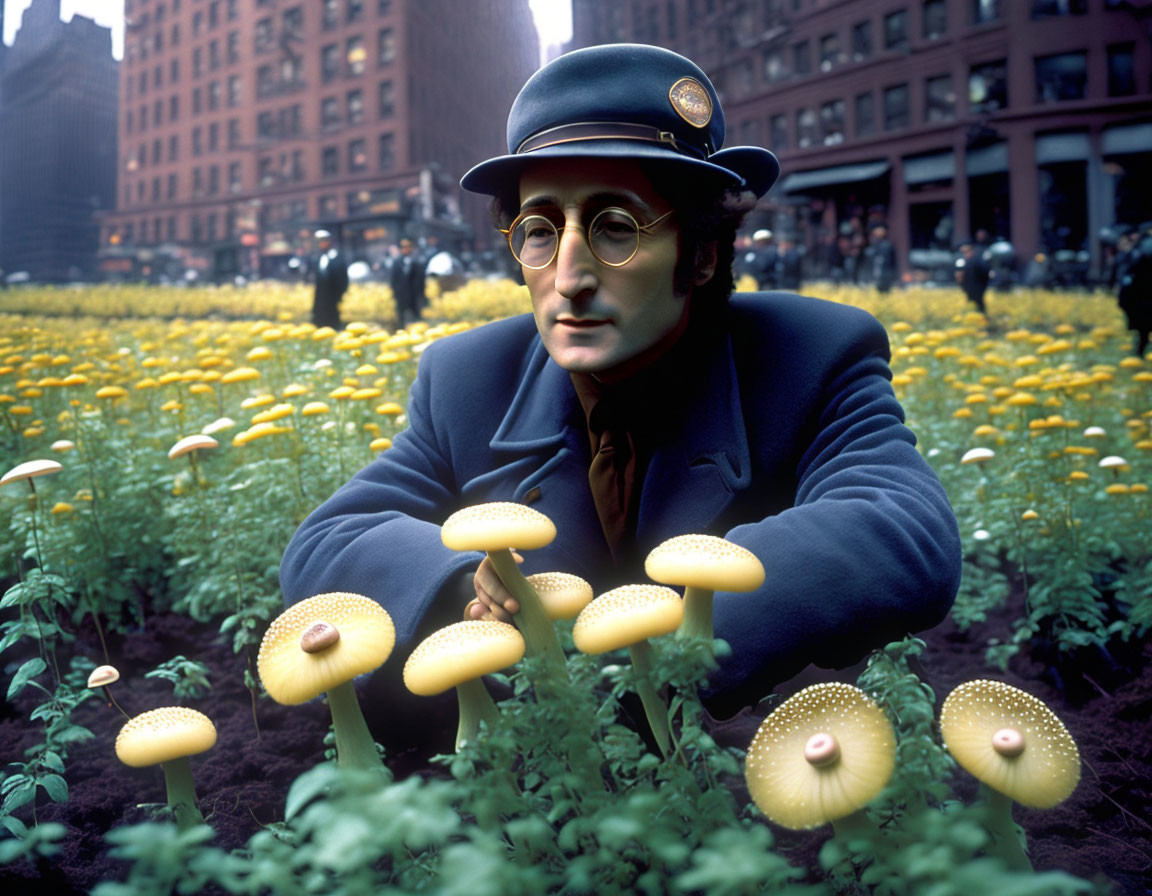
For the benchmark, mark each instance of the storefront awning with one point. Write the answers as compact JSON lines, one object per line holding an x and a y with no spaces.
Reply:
{"x":930,"y":168}
{"x":991,"y":159}
{"x":827,"y":177}
{"x":1069,"y":146}
{"x":1126,"y":139}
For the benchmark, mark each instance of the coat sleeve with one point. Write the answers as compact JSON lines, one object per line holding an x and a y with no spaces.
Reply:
{"x":379,"y":534}
{"x":869,"y":551}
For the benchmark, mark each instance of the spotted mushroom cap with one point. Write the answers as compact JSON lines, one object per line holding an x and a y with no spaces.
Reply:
{"x":292,"y":675}
{"x":461,"y":652}
{"x":563,"y":594}
{"x":822,"y":754}
{"x":705,"y":561}
{"x":495,"y":526}
{"x":30,"y":469}
{"x":161,"y":735}
{"x":1010,"y":741}
{"x":191,"y":443}
{"x":625,"y":616}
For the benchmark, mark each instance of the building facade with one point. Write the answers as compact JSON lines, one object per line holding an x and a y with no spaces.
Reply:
{"x":1028,"y":121}
{"x":248,"y":124}
{"x":57,"y":143}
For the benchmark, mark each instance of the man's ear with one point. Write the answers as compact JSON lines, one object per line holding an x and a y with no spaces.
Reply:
{"x":705,"y":263}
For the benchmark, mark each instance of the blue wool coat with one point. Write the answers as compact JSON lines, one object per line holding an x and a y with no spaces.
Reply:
{"x":794,"y":447}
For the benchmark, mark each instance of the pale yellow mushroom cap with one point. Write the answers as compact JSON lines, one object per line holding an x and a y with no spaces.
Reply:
{"x":30,"y":469}
{"x":564,"y":595}
{"x":102,"y":676}
{"x":161,"y":735}
{"x":292,"y":676}
{"x":1039,"y":767}
{"x":822,"y":754}
{"x":495,"y":526}
{"x":191,"y":443}
{"x":705,"y":561}
{"x":625,"y":616}
{"x":460,"y":652}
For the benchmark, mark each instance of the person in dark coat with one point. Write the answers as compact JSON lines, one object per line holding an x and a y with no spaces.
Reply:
{"x":642,"y":400}
{"x":1134,"y":287}
{"x":789,"y":265}
{"x":973,"y":274}
{"x":407,"y":278}
{"x":331,"y":282}
{"x":878,"y":260}
{"x":766,"y":255}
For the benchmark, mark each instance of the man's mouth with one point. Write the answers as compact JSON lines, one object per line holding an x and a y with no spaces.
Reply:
{"x":581,"y":323}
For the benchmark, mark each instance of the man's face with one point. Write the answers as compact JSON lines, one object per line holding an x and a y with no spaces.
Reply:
{"x":593,"y":318}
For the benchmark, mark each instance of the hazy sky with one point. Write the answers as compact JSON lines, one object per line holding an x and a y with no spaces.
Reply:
{"x":553,"y":18}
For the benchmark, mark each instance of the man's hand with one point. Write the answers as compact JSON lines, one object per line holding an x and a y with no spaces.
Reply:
{"x":493,"y":600}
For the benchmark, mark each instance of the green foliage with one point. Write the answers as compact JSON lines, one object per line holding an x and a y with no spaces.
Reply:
{"x":189,"y":678}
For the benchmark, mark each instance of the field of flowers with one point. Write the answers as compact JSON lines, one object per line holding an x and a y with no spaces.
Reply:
{"x":123,"y":541}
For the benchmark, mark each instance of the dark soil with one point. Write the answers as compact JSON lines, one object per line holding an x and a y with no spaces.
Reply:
{"x":1103,"y":832}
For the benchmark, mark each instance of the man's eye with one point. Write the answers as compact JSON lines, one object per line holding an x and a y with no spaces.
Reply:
{"x":614,"y":226}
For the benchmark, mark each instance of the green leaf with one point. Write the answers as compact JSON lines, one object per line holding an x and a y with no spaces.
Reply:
{"x":55,"y":786}
{"x":24,"y":674}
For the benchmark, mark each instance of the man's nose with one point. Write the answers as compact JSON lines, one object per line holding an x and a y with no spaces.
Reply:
{"x":576,"y":266}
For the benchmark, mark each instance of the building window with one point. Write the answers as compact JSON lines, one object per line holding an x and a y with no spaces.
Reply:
{"x":865,"y":114}
{"x":328,"y":207}
{"x":1061,"y":76}
{"x":387,"y":99}
{"x":174,"y":40}
{"x":214,"y":95}
{"x":331,"y":17}
{"x":985,"y":11}
{"x":829,"y":51}
{"x":1043,"y":9}
{"x":214,"y":136}
{"x":775,"y":68}
{"x":357,"y":155}
{"x":174,"y":71}
{"x":939,"y":99}
{"x":213,"y":180}
{"x":173,"y":108}
{"x":801,"y":58}
{"x":156,"y":189}
{"x":292,"y":23}
{"x":896,"y":30}
{"x":386,"y":46}
{"x":197,"y":148}
{"x":197,"y":101}
{"x":329,"y":112}
{"x":263,"y":37}
{"x":355,"y":102}
{"x":862,"y":40}
{"x":832,"y":123}
{"x":172,"y":184}
{"x":330,"y":161}
{"x":387,"y":152}
{"x":778,"y":131}
{"x":355,"y":55}
{"x":233,"y":133}
{"x":265,"y":81}
{"x":234,"y":94}
{"x":1121,"y":70}
{"x":988,"y":88}
{"x":233,"y":51}
{"x":265,"y":126}
{"x":213,"y":55}
{"x":330,"y":61}
{"x":173,"y":148}
{"x":266,"y":171}
{"x":235,"y":178}
{"x":355,"y":11}
{"x":935,"y":19}
{"x":291,"y":121}
{"x":806,"y":127}
{"x":197,"y":182}
{"x":895,"y":107}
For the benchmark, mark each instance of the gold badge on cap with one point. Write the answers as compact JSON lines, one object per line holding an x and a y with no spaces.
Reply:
{"x":691,"y":101}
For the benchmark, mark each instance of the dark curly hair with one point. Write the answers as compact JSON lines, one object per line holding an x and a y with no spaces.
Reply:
{"x":704,"y":216}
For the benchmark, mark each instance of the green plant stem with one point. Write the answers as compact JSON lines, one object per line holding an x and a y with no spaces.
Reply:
{"x":476,"y":706}
{"x":697,"y":622}
{"x":1007,"y":841}
{"x":654,"y":707}
{"x":354,"y":745}
{"x":532,"y":619}
{"x":181,"y":792}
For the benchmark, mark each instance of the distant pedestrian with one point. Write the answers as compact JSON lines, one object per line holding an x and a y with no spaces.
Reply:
{"x":765,"y":256}
{"x":879,"y":260}
{"x":331,"y":282}
{"x":1134,"y":294}
{"x":972,"y":274}
{"x":789,"y":265}
{"x":407,"y":279}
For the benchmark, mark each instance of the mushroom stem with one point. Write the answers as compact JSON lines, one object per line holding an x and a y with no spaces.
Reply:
{"x":476,"y":706}
{"x":1007,"y":841}
{"x":354,"y":745}
{"x":112,"y":700}
{"x":532,"y":619}
{"x":697,"y":621}
{"x":181,"y":792}
{"x":654,"y":707}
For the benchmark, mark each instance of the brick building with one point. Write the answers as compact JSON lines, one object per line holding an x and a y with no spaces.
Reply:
{"x":57,"y":81}
{"x":1027,"y":120}
{"x":246,"y":124}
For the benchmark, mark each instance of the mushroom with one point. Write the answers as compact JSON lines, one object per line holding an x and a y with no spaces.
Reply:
{"x":29,"y":470}
{"x":101,"y":677}
{"x":1017,"y":748}
{"x":458,"y":656}
{"x":820,"y":756}
{"x":496,"y":528}
{"x":320,"y":645}
{"x":703,"y":564}
{"x":563,"y":594}
{"x":167,"y":737}
{"x":627,"y":617}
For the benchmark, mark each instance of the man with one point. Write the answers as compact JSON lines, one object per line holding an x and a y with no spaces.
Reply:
{"x":639,"y":401}
{"x":880,"y":259}
{"x":764,"y":260}
{"x":331,"y":282}
{"x":407,"y":279}
{"x":973,"y":274}
{"x":1134,"y":281}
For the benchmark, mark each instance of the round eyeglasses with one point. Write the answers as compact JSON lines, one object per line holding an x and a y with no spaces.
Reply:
{"x":613,"y":237}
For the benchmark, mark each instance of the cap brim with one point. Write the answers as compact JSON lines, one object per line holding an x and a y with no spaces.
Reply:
{"x":757,"y":169}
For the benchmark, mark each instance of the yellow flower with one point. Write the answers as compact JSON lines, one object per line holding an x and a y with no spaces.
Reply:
{"x":389,"y":408}
{"x":240,"y":375}
{"x":61,"y":507}
{"x":341,"y":392}
{"x":294,"y":390}
{"x":366,"y":393}
{"x":962,"y":413}
{"x":1020,"y":400}
{"x":313,"y":408}
{"x":276,"y":412}
{"x":1116,"y":488}
{"x":1029,"y":515}
{"x":381,"y":444}
{"x":258,"y":401}
{"x":111,"y":392}
{"x":259,"y":353}
{"x":1077,"y":475}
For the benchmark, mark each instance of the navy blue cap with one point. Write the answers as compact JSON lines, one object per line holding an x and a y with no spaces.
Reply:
{"x":624,"y":101}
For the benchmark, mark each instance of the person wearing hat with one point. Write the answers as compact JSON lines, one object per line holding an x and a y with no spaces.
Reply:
{"x":407,"y":279}
{"x":331,"y":282}
{"x":641,"y":400}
